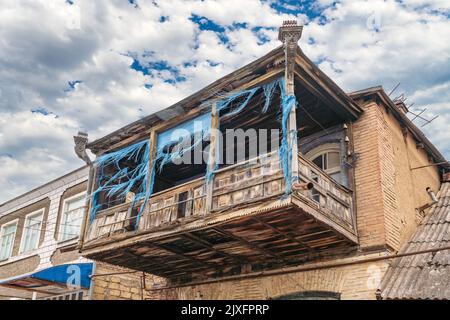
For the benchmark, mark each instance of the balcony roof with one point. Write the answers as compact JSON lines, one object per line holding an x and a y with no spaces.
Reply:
{"x":269,"y":66}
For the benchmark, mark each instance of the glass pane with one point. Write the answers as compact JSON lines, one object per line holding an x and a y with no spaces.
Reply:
{"x":7,"y":241}
{"x":318,"y":161}
{"x":31,"y":232}
{"x":9,"y":229}
{"x":72,"y":218}
{"x":75,"y":204}
{"x":334,"y":160}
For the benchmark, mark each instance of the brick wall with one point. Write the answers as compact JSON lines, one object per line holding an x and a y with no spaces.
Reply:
{"x":369,"y":197}
{"x":387,"y":191}
{"x":358,"y":281}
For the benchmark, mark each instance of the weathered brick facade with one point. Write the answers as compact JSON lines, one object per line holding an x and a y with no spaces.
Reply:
{"x":386,"y":192}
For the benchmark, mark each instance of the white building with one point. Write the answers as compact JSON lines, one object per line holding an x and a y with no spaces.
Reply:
{"x":39,"y":232}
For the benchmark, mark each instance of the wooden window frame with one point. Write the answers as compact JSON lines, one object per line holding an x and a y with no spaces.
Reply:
{"x":63,"y":212}
{"x":2,"y":228}
{"x":40,"y":212}
{"x":325,"y":149}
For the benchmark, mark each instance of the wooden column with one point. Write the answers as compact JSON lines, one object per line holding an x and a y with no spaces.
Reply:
{"x":151,"y":158}
{"x":213,"y":157}
{"x":88,"y":204}
{"x":289,"y":34}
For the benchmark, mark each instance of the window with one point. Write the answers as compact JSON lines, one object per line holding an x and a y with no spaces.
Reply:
{"x":327,"y":158}
{"x":7,"y":235}
{"x":72,"y":215}
{"x":31,"y":231}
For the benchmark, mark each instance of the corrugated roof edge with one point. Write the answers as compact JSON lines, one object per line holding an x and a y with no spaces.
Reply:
{"x":218,"y":83}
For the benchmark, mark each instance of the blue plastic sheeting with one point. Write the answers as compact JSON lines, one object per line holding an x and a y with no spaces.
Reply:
{"x":178,"y":133}
{"x":125,"y":179}
{"x":285,"y":153}
{"x":172,"y":144}
{"x":180,"y":137}
{"x":74,"y":274}
{"x":287,"y":104}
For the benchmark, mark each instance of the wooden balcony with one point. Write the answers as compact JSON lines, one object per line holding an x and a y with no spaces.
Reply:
{"x":242,"y":220}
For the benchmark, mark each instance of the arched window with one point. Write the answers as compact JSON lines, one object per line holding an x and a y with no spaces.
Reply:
{"x":328,"y":158}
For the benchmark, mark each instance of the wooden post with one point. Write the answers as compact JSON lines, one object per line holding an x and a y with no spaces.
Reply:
{"x":212,"y":155}
{"x":151,"y":167}
{"x":151,"y":158}
{"x":289,"y":34}
{"x":88,"y":204}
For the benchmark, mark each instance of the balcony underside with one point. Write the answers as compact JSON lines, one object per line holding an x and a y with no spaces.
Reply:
{"x":275,"y":234}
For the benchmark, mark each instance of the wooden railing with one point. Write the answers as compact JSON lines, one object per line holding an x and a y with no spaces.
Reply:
{"x":333,"y":200}
{"x":117,"y":219}
{"x":176,"y":203}
{"x":248,"y":182}
{"x":241,"y":185}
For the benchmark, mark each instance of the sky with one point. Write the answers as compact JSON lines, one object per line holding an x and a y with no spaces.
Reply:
{"x":95,"y":66}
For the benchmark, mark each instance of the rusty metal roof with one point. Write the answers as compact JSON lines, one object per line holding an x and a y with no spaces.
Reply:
{"x":424,"y":276}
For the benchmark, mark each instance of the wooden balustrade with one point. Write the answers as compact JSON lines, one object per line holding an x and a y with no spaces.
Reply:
{"x":238,"y":185}
{"x":333,"y":200}
{"x":247,"y":182}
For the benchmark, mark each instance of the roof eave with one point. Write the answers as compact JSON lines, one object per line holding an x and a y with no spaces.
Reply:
{"x":418,"y":134}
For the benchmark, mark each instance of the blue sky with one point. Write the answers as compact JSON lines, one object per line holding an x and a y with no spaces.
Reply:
{"x":96,"y":66}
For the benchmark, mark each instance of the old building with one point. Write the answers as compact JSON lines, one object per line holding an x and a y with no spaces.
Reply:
{"x":39,"y":231}
{"x":270,"y":183}
{"x":319,"y":217}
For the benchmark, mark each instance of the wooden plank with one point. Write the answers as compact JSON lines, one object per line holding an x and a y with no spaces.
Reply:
{"x":283,"y":233}
{"x":248,"y":243}
{"x":208,"y":245}
{"x":180,"y":253}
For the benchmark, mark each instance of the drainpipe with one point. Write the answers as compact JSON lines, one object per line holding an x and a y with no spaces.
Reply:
{"x":80,"y":150}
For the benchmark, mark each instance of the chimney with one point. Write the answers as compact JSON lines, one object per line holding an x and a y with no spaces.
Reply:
{"x":289,"y":34}
{"x":290,"y":31}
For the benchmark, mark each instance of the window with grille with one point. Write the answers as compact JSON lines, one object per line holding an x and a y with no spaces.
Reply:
{"x":7,"y":235}
{"x":78,"y":295}
{"x":72,"y":216}
{"x":31,"y":231}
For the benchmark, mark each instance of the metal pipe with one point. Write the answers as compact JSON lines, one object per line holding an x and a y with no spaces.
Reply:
{"x":303,"y":186}
{"x":432,"y":195}
{"x":112,"y":274}
{"x":431,"y":165}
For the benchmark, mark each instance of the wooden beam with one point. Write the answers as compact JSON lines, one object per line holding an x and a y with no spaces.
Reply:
{"x":210,"y":246}
{"x":185,"y":256}
{"x":283,"y":234}
{"x":212,"y":158}
{"x":290,"y":34}
{"x":248,"y":243}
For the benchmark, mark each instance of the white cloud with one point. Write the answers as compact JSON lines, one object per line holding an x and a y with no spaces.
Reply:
{"x":46,"y":44}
